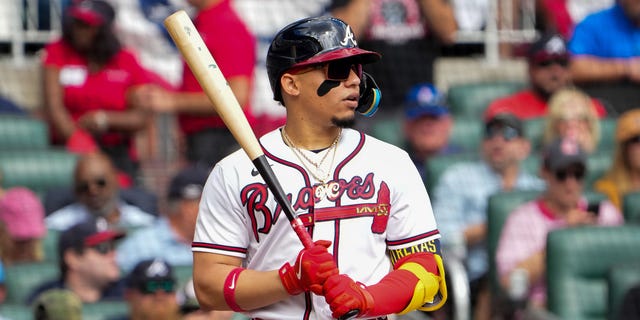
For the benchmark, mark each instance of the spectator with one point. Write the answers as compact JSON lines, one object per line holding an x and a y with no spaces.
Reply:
{"x":96,"y":195}
{"x":461,"y":196}
{"x":57,"y":304}
{"x":408,"y":34}
{"x":572,"y":115}
{"x":624,"y":174}
{"x":207,"y":138}
{"x":561,"y":205}
{"x":548,"y":61}
{"x":88,"y":76}
{"x":171,"y":235}
{"x":151,"y":291}
{"x":21,"y":225}
{"x":562,"y":16}
{"x":87,"y":263}
{"x":427,"y":125}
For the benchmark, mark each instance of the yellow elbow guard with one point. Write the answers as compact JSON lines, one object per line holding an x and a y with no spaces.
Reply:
{"x":430,"y":292}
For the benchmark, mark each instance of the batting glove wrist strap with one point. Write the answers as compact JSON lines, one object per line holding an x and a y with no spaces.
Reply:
{"x":343,"y":295}
{"x":312,"y":268}
{"x":230,"y":285}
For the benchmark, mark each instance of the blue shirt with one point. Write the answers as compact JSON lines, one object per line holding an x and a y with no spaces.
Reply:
{"x":460,"y":200}
{"x":155,"y":241}
{"x":607,"y":34}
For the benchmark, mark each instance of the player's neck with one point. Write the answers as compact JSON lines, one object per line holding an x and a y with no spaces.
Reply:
{"x":311,"y":138}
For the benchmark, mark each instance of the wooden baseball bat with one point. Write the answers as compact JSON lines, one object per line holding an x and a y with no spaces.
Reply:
{"x":215,"y":86}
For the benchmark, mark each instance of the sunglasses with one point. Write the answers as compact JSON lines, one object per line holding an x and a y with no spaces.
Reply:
{"x":506,"y":132}
{"x":549,"y":62}
{"x":334,"y":70}
{"x":577,"y":173}
{"x":104,"y":247}
{"x":84,"y":186}
{"x":632,"y":140}
{"x":153,"y":286}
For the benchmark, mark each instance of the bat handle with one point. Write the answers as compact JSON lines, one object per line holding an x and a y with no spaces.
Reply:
{"x":302,"y":233}
{"x":350,"y":315}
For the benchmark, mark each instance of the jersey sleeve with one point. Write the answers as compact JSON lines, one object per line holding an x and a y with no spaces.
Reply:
{"x":220,"y":223}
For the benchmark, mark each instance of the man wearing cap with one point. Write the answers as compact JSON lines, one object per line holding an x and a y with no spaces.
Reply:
{"x":624,"y":174}
{"x":561,"y":205}
{"x":361,"y":200}
{"x":171,"y":235}
{"x":548,"y":69}
{"x":427,"y":125}
{"x":151,"y":291}
{"x":87,"y":262}
{"x":460,"y":196}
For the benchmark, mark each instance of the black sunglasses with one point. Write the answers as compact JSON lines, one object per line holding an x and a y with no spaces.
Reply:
{"x":104,"y":247}
{"x":506,"y":132}
{"x":84,"y":186}
{"x":632,"y":140}
{"x":577,"y":173}
{"x":335,"y":70}
{"x":153,"y":286}
{"x":550,"y":62}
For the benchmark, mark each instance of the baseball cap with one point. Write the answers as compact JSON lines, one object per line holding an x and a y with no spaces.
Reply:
{"x":92,"y":12}
{"x":505,"y":120}
{"x":562,"y":153}
{"x":424,"y":99}
{"x":188,"y":183}
{"x":548,"y":47}
{"x":22,"y":214}
{"x":57,"y":304}
{"x":151,"y":275}
{"x":87,"y":234}
{"x":628,"y":125}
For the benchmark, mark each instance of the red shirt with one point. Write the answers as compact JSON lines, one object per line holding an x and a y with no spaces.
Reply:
{"x":105,"y":89}
{"x":232,"y":46}
{"x":526,"y":104}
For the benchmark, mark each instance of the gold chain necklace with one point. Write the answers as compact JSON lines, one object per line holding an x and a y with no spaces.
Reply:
{"x":302,"y":157}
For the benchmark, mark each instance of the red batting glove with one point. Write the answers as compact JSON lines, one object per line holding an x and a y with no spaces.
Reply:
{"x":312,"y":268}
{"x":343,"y":295}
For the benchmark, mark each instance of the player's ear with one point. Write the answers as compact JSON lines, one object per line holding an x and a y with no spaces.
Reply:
{"x":289,"y":84}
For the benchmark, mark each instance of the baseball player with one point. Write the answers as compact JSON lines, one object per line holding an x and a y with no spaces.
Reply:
{"x":362,"y":200}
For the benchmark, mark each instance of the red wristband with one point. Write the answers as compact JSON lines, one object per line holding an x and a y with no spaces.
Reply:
{"x":229,"y":290}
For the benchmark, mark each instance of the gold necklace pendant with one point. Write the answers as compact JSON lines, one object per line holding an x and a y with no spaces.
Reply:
{"x":326,"y":190}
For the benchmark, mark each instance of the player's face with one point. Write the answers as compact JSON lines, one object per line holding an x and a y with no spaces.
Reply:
{"x":330,"y":91}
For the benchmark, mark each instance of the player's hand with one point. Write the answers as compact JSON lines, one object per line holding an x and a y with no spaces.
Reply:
{"x":343,"y":295}
{"x":312,"y":268}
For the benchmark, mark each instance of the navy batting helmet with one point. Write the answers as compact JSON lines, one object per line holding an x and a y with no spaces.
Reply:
{"x":311,"y":41}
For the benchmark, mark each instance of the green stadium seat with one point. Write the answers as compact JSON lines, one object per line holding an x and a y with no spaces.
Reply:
{"x":631,"y":207}
{"x":607,"y":134}
{"x":435,"y":167}
{"x":534,"y":130}
{"x":21,"y":279}
{"x":22,"y":132}
{"x":183,"y":274}
{"x":38,"y":170}
{"x":104,"y":310}
{"x":578,"y":263}
{"x":50,"y":245}
{"x":471,"y":99}
{"x":389,"y":130}
{"x":15,"y":311}
{"x":467,"y":134}
{"x":597,"y":165}
{"x":621,"y":278}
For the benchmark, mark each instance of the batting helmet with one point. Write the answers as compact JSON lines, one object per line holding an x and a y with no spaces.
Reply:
{"x":311,"y":41}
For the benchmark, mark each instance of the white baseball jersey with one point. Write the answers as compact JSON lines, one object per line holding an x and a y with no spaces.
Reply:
{"x":375,"y":201}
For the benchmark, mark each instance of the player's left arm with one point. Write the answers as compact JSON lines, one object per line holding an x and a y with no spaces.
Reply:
{"x":416,"y":282}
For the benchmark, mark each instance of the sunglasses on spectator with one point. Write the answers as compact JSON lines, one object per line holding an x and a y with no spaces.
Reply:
{"x":153,"y":286}
{"x":633,"y":140}
{"x":549,"y":62}
{"x":506,"y":132}
{"x":84,"y":186}
{"x":577,"y":173}
{"x":104,"y":247}
{"x":334,"y":70}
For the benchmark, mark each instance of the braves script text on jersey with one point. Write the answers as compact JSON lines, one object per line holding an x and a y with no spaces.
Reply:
{"x":375,"y":201}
